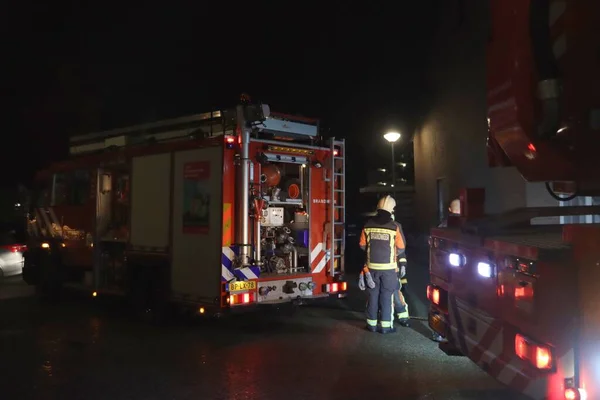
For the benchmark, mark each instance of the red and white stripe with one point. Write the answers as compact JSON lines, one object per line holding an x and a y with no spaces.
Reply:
{"x":319,"y":258}
{"x":485,"y":346}
{"x":43,"y":223}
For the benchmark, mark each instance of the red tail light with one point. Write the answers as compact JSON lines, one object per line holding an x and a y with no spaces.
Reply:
{"x":433,"y":295}
{"x":500,"y":291}
{"x":575,"y":394}
{"x":543,"y":357}
{"x":335,"y":287}
{"x":242,"y":298}
{"x":336,"y":152}
{"x":537,"y":355}
{"x":229,"y":142}
{"x":17,"y":248}
{"x":525,"y":293}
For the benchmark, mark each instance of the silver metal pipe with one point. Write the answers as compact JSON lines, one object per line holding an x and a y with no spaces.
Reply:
{"x":258,"y":253}
{"x":258,"y":213}
{"x":294,"y":256}
{"x":243,"y":187}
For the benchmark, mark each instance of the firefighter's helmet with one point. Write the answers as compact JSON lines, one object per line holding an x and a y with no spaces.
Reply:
{"x":387,"y":203}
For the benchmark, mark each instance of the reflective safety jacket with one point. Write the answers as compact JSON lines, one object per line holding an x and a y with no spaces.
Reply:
{"x":383,"y":243}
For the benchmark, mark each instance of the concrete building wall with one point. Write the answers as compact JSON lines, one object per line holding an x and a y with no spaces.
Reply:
{"x":450,"y":143}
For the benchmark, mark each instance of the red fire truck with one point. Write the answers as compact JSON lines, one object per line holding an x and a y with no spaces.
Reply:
{"x":211,"y":212}
{"x":523,"y":300}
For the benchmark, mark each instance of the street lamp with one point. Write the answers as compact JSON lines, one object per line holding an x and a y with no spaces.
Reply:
{"x":392,"y":137}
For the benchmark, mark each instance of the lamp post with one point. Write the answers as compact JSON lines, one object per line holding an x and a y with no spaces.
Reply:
{"x":392,"y":137}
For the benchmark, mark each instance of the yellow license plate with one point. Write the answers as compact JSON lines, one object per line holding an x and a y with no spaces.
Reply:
{"x":242,"y":285}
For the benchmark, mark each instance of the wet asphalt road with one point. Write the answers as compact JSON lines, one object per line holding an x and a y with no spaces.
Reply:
{"x":82,"y":350}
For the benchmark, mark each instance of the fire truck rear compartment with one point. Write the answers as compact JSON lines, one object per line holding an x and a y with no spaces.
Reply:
{"x":284,"y":223}
{"x":541,"y":299}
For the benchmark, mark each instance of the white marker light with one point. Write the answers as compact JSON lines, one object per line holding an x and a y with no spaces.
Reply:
{"x":484,"y":269}
{"x":454,"y":259}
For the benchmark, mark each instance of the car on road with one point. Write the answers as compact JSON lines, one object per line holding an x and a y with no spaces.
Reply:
{"x":12,"y":246}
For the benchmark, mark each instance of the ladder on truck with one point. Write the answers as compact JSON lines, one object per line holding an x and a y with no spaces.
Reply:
{"x":337,"y":206}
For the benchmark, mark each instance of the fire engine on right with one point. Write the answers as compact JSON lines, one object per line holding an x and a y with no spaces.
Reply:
{"x":522,"y":301}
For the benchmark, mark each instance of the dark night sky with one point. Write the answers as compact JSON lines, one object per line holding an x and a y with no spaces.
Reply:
{"x":73,"y":68}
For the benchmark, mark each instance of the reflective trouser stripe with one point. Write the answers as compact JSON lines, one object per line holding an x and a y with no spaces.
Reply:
{"x":372,"y":322}
{"x":405,"y":314}
{"x":382,"y":267}
{"x":400,"y":302}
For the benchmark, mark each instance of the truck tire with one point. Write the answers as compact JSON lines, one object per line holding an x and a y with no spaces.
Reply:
{"x":147,"y":299}
{"x":138,"y":294}
{"x":49,"y":286}
{"x":160,"y":307}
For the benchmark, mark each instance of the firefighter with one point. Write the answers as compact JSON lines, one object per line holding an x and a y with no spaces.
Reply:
{"x":453,"y":210}
{"x":382,"y":240}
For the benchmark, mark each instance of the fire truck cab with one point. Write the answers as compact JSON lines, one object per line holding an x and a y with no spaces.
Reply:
{"x":520,"y":299}
{"x":212,"y":212}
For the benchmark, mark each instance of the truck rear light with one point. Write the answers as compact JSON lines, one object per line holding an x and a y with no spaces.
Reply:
{"x":456,"y":260}
{"x":575,"y":394}
{"x":242,"y":298}
{"x":229,"y":142}
{"x":524,"y":293}
{"x":500,"y":291}
{"x":484,"y":269}
{"x":537,"y":355}
{"x":438,"y":297}
{"x":543,"y":357}
{"x":433,"y":295}
{"x":335,"y":287}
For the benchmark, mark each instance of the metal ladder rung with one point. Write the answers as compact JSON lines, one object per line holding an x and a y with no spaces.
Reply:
{"x":339,"y":188}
